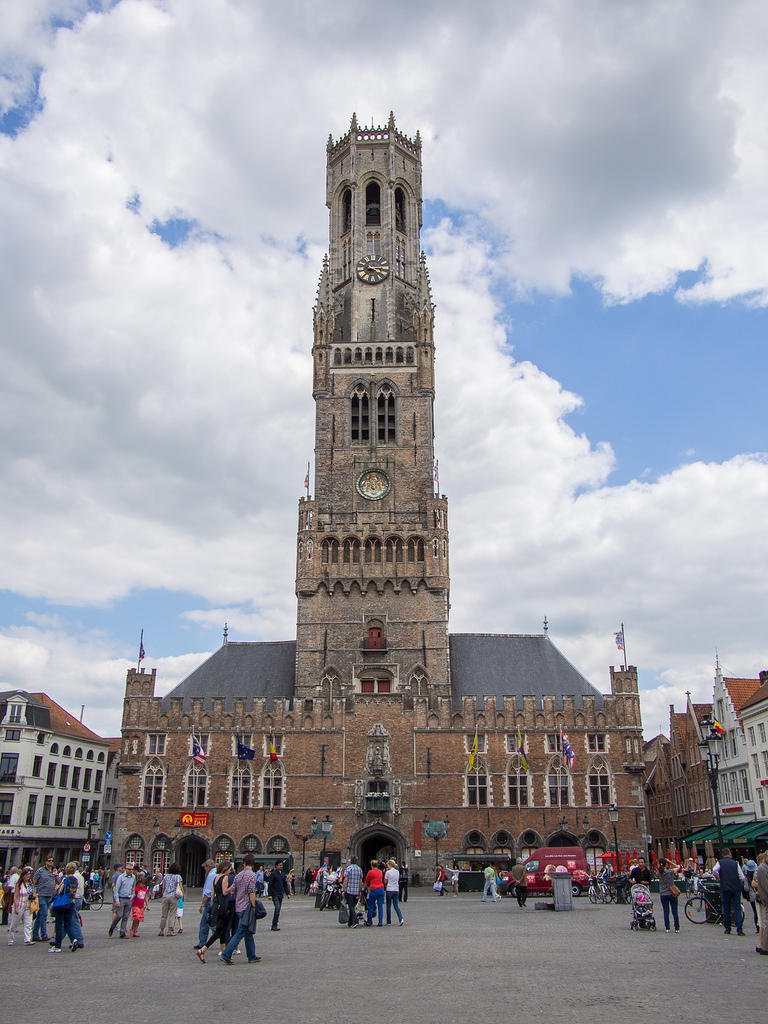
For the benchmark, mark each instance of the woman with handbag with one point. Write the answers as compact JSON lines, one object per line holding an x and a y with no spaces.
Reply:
{"x":64,"y":912}
{"x":22,"y":907}
{"x":220,"y":911}
{"x":668,"y":892}
{"x":172,"y":890}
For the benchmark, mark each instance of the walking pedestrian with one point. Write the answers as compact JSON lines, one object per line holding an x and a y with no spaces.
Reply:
{"x":392,"y":887}
{"x":455,"y":879}
{"x":760,"y":884}
{"x":490,"y":884}
{"x":749,"y":870}
{"x":669,"y":892}
{"x":353,"y":883}
{"x":122,"y":896}
{"x":374,"y":882}
{"x":139,"y":903}
{"x":732,"y":881}
{"x":519,"y":879}
{"x":403,"y":882}
{"x":21,"y":914}
{"x":244,"y":890}
{"x":440,"y":880}
{"x":44,"y":881}
{"x":278,"y":889}
{"x":219,"y":914}
{"x":65,"y":914}
{"x":209,"y":867}
{"x":172,"y":890}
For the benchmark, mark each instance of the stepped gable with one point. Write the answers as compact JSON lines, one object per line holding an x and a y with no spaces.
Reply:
{"x":247,"y":670}
{"x":485,"y":665}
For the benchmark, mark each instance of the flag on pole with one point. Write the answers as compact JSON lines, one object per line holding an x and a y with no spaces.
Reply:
{"x":306,"y":481}
{"x":521,"y":752}
{"x":141,"y":650}
{"x":473,"y":752}
{"x":244,"y":753}
{"x":566,"y":750}
{"x":620,"y":639}
{"x":272,"y":751}
{"x":437,"y":477}
{"x":198,"y":754}
{"x":718,"y":728}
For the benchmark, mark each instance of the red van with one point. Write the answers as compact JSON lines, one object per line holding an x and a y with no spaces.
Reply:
{"x":570,"y":858}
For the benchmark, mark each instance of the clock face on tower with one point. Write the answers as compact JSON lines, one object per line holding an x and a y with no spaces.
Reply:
{"x":372,"y":269}
{"x":373,"y":485}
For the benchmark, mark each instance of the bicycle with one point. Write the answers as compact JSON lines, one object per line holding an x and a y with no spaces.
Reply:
{"x":93,"y":899}
{"x":704,"y":907}
{"x":599,"y":891}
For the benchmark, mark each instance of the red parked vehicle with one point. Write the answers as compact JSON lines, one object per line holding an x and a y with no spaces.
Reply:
{"x":547,"y":859}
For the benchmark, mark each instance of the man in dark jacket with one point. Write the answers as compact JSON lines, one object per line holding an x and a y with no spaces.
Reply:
{"x":278,"y":888}
{"x":732,"y":881}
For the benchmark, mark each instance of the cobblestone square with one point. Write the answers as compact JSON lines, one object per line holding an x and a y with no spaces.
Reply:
{"x":456,"y":959}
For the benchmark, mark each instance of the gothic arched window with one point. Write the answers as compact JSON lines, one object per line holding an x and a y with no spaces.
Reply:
{"x":372,"y":203}
{"x":359,"y":418}
{"x":197,"y":785}
{"x":478,"y":787}
{"x":372,"y":551}
{"x":385,"y":411}
{"x":272,"y":786}
{"x":241,"y":786}
{"x":153,"y":784}
{"x":558,"y":783}
{"x":599,"y":784}
{"x":517,"y":783}
{"x":399,"y":210}
{"x":351,"y":550}
{"x":346,"y":211}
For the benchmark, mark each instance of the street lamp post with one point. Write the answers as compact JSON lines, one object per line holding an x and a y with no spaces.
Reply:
{"x":436,"y":830}
{"x":303,"y":839}
{"x":613,"y":817}
{"x":323,"y":828}
{"x":709,"y":745}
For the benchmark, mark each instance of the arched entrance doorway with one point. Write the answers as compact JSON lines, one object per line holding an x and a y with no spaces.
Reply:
{"x":190,"y":854}
{"x":379,"y":841}
{"x":562,"y":838}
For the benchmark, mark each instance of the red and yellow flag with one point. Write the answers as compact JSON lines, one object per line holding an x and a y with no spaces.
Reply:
{"x":272,"y":751}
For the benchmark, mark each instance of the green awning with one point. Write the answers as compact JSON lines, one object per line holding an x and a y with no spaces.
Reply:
{"x":737,"y":833}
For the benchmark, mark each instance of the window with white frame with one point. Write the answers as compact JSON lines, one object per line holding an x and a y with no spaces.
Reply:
{"x":599,"y":784}
{"x":241,"y":786}
{"x":156,"y":743}
{"x":517,"y":783}
{"x":558,"y":784}
{"x":478,"y":786}
{"x":153,"y":784}
{"x":272,"y":787}
{"x":197,"y":785}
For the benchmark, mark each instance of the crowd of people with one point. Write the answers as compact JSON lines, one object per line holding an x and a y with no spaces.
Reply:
{"x":231,"y":901}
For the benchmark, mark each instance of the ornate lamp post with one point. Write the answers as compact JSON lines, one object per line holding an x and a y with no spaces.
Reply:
{"x":709,"y":745}
{"x":322,"y":828}
{"x":613,"y":817}
{"x":436,"y":830}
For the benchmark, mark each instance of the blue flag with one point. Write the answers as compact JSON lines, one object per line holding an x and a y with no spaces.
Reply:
{"x":244,"y":753}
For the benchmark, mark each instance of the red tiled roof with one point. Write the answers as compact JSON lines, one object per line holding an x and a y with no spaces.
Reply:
{"x":62,"y":721}
{"x":740,"y":690}
{"x":760,"y":694}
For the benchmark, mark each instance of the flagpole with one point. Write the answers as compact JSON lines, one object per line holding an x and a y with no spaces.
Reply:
{"x":141,"y":652}
{"x":624,"y":641}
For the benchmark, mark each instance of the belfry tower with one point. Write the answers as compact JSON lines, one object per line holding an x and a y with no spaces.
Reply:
{"x":372,"y":577}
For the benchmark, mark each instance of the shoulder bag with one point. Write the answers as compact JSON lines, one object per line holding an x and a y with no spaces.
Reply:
{"x":63,"y":897}
{"x":674,"y":890}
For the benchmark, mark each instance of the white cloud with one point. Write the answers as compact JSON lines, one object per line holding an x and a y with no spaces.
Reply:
{"x":159,"y":399}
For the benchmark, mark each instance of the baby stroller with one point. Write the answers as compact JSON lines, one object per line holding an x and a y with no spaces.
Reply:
{"x":642,"y":909}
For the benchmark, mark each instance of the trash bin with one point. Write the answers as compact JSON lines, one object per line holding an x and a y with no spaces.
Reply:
{"x":561,"y":890}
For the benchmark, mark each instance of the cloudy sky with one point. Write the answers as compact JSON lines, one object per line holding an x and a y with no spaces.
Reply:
{"x":596,"y":221}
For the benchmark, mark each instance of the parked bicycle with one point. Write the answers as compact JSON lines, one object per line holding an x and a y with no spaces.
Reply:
{"x":600,"y":891}
{"x":705,"y":906}
{"x":93,"y":899}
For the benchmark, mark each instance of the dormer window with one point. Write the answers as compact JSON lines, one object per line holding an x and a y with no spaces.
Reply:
{"x":372,"y":203}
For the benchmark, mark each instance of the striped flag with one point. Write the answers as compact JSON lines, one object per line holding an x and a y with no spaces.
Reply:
{"x":521,"y":752}
{"x":718,"y":728}
{"x":272,"y":751}
{"x":198,"y":754}
{"x":306,"y":481}
{"x":437,"y":476}
{"x":566,"y":750}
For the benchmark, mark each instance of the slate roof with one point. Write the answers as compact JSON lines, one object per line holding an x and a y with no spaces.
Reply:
{"x":740,"y":690}
{"x":486,"y":664}
{"x":481,"y":665}
{"x":241,"y":670}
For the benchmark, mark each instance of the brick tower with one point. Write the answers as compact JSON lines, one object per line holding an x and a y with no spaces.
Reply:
{"x":372,"y":577}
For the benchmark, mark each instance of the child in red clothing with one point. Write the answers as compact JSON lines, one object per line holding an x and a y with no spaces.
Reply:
{"x":139,"y":904}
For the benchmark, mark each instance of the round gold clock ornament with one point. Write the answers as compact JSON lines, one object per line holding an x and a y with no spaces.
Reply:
{"x":373,"y":485}
{"x":372,"y":269}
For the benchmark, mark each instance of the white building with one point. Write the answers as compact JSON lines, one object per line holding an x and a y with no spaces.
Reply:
{"x":52,"y":781}
{"x":754,"y":719}
{"x":736,"y":792}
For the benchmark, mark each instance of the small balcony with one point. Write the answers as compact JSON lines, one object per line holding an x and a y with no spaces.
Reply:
{"x":378,"y":802}
{"x":12,"y":779}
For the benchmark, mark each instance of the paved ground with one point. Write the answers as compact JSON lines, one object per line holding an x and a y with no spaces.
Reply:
{"x":455,"y":960}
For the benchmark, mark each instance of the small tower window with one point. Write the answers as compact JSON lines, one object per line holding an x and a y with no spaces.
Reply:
{"x":399,"y":209}
{"x":359,"y":415}
{"x":346,"y":211}
{"x":372,"y":203}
